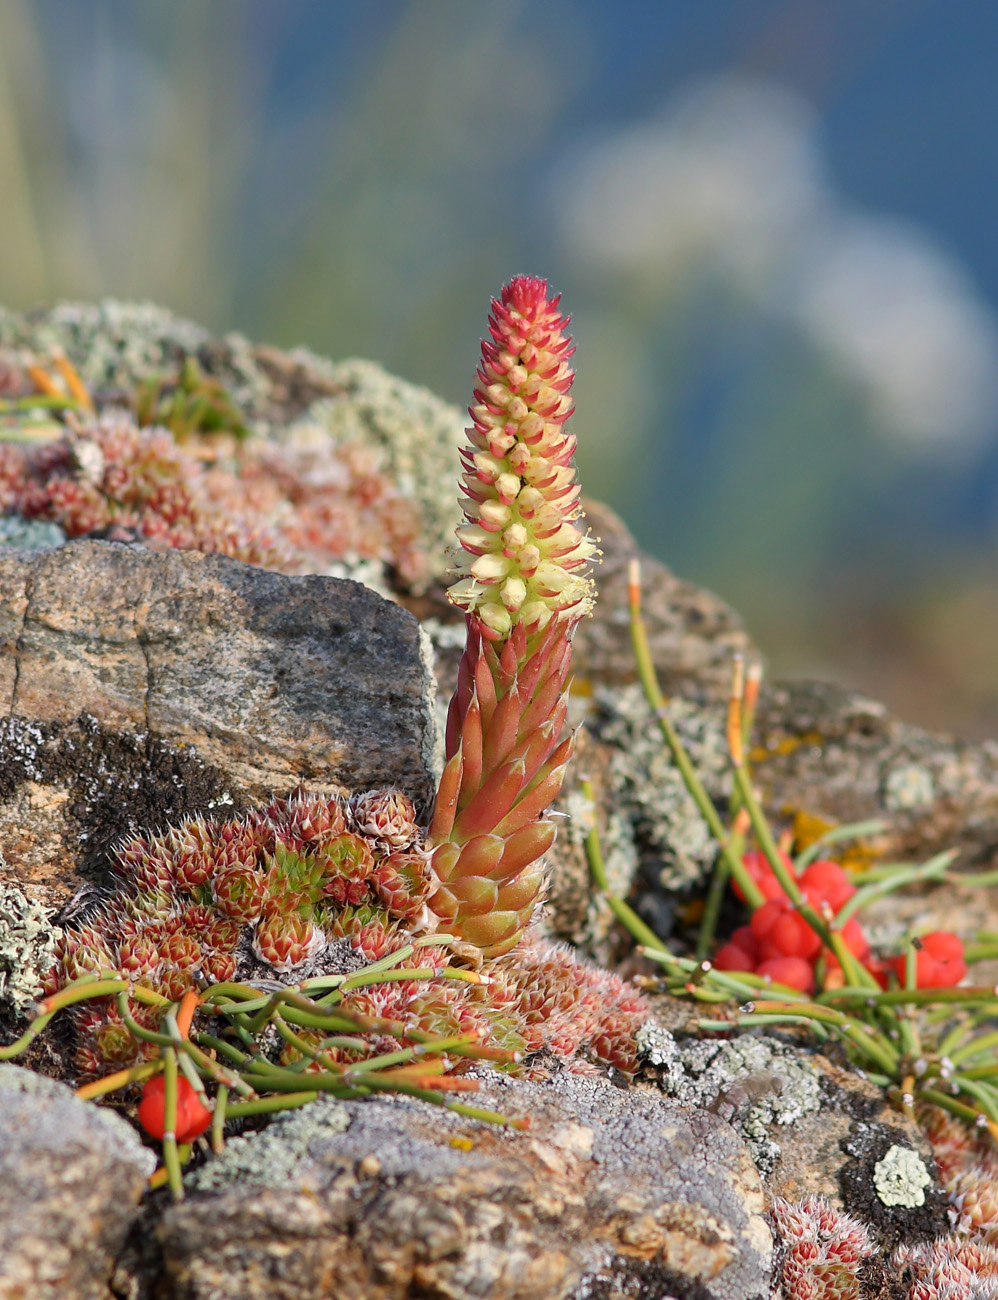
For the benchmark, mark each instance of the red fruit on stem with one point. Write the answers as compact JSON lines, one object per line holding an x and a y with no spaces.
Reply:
{"x":745,"y":940}
{"x":733,"y":957}
{"x":826,"y":882}
{"x":794,"y":972}
{"x":762,"y":873}
{"x":855,"y":940}
{"x":193,"y":1117}
{"x":791,"y":936}
{"x":939,"y":964}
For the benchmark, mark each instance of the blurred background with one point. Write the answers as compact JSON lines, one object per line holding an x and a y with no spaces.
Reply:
{"x":772,"y":221}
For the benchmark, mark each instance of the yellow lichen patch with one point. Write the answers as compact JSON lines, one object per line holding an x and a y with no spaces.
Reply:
{"x":784,"y":745}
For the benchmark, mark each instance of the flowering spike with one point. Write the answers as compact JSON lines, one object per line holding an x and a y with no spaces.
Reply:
{"x":471,"y":752}
{"x":492,"y":801}
{"x":521,"y":454}
{"x":523,"y":582}
{"x":502,"y":734}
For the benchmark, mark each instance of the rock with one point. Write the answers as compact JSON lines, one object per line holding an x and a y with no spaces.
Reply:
{"x":841,"y":756}
{"x":811,"y":1127}
{"x":71,"y":1175}
{"x":142,"y":686}
{"x":607,"y":1193}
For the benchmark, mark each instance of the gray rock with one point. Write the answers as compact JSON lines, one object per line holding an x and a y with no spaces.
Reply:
{"x":841,"y":756}
{"x":142,"y":686}
{"x":606,"y":1193}
{"x":71,"y":1175}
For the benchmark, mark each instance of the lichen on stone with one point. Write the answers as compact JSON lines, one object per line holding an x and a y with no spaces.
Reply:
{"x":117,"y":345}
{"x":753,"y":1082}
{"x":19,"y":534}
{"x":648,"y":788}
{"x":27,"y":949}
{"x":416,"y":434}
{"x":278,"y":1156}
{"x":901,"y":1177}
{"x":908,"y":786}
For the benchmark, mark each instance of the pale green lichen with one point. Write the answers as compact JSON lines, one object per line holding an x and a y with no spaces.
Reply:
{"x":278,"y":1157}
{"x":901,"y":1177}
{"x":908,"y":787}
{"x":117,"y":345}
{"x":27,"y":949}
{"x":18,"y":534}
{"x":752,"y":1082}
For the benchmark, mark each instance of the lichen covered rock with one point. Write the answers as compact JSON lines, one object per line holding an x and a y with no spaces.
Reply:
{"x":70,"y":1181}
{"x":608,"y":1193}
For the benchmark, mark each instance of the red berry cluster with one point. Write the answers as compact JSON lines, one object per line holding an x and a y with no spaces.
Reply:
{"x":939,"y":961}
{"x":778,"y":942}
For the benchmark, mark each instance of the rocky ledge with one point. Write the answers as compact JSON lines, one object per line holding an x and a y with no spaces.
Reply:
{"x":144,"y":683}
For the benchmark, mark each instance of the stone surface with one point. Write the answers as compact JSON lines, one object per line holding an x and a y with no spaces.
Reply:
{"x":811,"y":1127}
{"x":843,"y":757}
{"x":140,"y":686}
{"x":692,"y":634}
{"x":607,"y":1194}
{"x":71,"y":1175}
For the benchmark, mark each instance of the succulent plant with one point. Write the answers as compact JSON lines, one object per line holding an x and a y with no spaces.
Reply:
{"x":523,"y":583}
{"x":317,"y":895}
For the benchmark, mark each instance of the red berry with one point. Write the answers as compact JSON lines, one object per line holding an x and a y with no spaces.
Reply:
{"x":855,"y":940}
{"x":762,"y":873}
{"x":733,"y":957}
{"x":745,"y":940}
{"x":939,"y":964}
{"x":193,"y":1117}
{"x":826,"y":882}
{"x":791,"y":936}
{"x":794,"y":972}
{"x":765,"y":917}
{"x":943,"y":945}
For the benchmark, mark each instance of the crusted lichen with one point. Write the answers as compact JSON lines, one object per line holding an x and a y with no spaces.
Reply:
{"x":27,"y":949}
{"x":278,"y":1157}
{"x":907,"y":787}
{"x":753,"y":1082}
{"x":648,"y":789}
{"x":117,"y":345}
{"x":901,"y":1177}
{"x":416,"y":434}
{"x":18,"y":534}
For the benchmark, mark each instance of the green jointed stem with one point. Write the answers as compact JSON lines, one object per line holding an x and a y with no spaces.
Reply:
{"x":264,"y":1105}
{"x":594,"y":855}
{"x":653,"y":693}
{"x":171,"y":1156}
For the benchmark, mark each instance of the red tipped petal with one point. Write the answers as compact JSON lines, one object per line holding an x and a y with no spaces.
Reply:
{"x":479,"y":857}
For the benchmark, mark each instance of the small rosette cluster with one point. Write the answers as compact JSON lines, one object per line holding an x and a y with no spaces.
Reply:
{"x":825,"y":1250}
{"x":205,"y":901}
{"x":526,"y":559}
